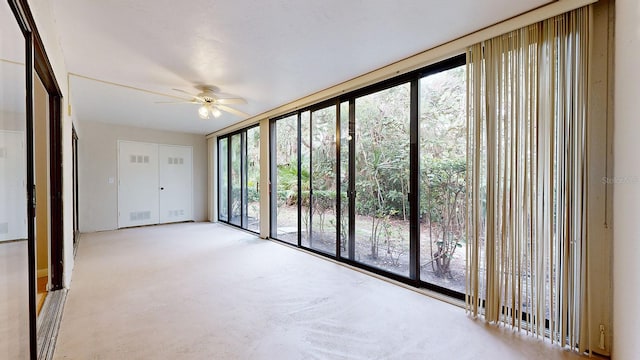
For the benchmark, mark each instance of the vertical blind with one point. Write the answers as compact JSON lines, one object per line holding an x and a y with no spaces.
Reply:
{"x":526,"y":197}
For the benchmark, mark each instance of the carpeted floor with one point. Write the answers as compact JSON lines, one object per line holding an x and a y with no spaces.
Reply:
{"x":207,"y":291}
{"x":14,"y":300}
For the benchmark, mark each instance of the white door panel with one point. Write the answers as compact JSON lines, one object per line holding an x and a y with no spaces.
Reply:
{"x":13,"y":190}
{"x":154,"y":183}
{"x":138,"y":201}
{"x":176,"y":197}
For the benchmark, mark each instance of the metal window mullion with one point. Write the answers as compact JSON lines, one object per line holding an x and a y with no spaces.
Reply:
{"x":310,"y":221}
{"x":243,"y":179}
{"x":414,"y":183}
{"x":299,"y":139}
{"x":273,"y":184}
{"x":229,"y":180}
{"x":338,"y":211}
{"x":218,"y":177}
{"x":220,"y":174}
{"x":351,"y":192}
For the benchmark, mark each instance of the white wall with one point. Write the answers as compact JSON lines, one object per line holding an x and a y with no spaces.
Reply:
{"x":626,"y":198}
{"x":46,"y":25}
{"x":97,"y":148}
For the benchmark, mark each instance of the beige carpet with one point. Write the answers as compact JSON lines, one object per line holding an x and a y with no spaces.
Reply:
{"x":14,"y":300}
{"x":207,"y":291}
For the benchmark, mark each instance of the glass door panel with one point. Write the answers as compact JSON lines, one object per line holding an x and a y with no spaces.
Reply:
{"x":223,"y":178}
{"x":305,"y":178}
{"x":382,"y":130}
{"x":236,"y":179}
{"x":253,"y":179}
{"x":14,"y":267}
{"x":345,"y":139}
{"x":239,"y":173}
{"x":442,"y":178}
{"x":284,"y":180}
{"x":322,"y":198}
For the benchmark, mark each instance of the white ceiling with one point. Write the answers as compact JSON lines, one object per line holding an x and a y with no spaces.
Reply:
{"x":268,"y":52}
{"x":12,"y":70}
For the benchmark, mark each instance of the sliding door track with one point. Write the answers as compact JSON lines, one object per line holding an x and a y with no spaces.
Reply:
{"x":49,"y":323}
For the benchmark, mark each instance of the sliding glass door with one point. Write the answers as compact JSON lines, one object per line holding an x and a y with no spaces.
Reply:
{"x":443,"y":164}
{"x":322,"y":180}
{"x":344,"y":138}
{"x":304,"y":179}
{"x":223,"y":179}
{"x":376,"y":178}
{"x":382,"y":128}
{"x":16,"y":172}
{"x":284,"y":179}
{"x":235,"y":179}
{"x":238,"y":179}
{"x":252,"y":181}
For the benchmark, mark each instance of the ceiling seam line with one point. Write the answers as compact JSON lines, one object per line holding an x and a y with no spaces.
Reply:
{"x":124,"y":86}
{"x":11,"y":62}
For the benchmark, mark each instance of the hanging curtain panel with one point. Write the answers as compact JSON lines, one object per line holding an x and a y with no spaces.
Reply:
{"x":526,"y":197}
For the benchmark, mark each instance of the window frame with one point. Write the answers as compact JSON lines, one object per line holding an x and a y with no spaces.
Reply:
{"x":243,"y":144}
{"x":413,"y":78}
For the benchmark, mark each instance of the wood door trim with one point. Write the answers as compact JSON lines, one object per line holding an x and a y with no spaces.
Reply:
{"x":44,"y":70}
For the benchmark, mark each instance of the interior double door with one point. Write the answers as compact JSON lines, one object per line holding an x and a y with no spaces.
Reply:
{"x":154,"y":183}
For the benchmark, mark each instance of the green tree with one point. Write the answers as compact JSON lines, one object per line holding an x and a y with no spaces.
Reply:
{"x":382,"y":164}
{"x":443,"y":165}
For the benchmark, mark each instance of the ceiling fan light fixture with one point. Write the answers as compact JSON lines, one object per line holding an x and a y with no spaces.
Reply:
{"x":210,"y":104}
{"x":215,"y":112}
{"x":203,"y":112}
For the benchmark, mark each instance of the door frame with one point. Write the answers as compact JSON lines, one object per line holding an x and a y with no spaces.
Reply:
{"x":44,"y":70}
{"x":36,"y":59}
{"x":244,"y":169}
{"x":76,"y":214}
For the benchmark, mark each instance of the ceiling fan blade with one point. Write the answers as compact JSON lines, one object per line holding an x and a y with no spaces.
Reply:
{"x":224,"y":95}
{"x":176,"y":102}
{"x":232,"y":110}
{"x":230,"y":101}
{"x":191,"y":95}
{"x":182,"y":91}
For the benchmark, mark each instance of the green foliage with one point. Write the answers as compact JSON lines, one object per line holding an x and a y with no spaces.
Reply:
{"x":288,"y":183}
{"x":382,"y":164}
{"x":443,"y":182}
{"x":443,"y":165}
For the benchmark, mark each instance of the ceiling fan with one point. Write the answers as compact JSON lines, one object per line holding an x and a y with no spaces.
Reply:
{"x":211,"y":105}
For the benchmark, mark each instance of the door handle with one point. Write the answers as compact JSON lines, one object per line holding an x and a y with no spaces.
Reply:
{"x":34,"y":200}
{"x":161,"y":188}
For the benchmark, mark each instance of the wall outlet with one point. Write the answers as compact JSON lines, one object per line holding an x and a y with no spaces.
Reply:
{"x":601,"y":336}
